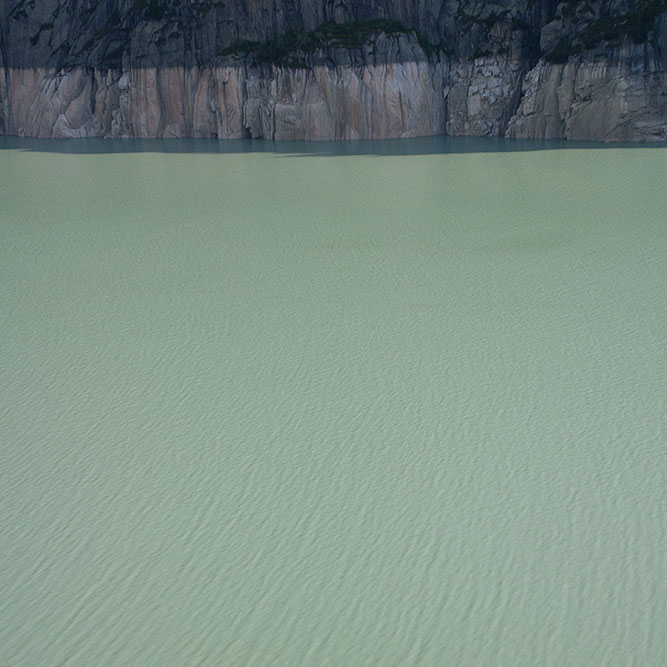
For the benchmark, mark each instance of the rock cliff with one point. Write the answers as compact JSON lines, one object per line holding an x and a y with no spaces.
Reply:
{"x":297,"y":69}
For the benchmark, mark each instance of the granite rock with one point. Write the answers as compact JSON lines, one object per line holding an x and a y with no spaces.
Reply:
{"x":292,"y":69}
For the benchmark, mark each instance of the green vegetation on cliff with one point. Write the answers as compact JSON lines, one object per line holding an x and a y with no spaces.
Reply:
{"x":606,"y":27}
{"x":350,"y":35}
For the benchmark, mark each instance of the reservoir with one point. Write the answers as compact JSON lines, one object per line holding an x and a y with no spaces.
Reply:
{"x":389,"y":403}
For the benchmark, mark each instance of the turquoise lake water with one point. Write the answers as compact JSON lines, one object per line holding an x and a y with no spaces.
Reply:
{"x":391,"y":403}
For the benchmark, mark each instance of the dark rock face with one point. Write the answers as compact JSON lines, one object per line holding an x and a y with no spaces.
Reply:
{"x":280,"y":69}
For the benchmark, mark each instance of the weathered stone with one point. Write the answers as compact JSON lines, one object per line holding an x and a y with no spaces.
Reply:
{"x":593,"y":98}
{"x":391,"y":100}
{"x":515,"y":68}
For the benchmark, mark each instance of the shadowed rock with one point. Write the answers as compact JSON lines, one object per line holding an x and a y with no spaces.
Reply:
{"x":291,"y":69}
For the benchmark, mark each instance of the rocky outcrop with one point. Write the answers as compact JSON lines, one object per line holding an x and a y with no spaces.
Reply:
{"x":344,"y":70}
{"x":483,"y":92}
{"x":592,"y":100}
{"x":391,"y":100}
{"x":360,"y":99}
{"x":614,"y":95}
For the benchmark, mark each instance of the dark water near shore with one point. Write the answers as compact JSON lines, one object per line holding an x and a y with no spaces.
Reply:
{"x":259,"y":406}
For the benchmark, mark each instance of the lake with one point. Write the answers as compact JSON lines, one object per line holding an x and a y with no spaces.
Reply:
{"x":375,"y":403}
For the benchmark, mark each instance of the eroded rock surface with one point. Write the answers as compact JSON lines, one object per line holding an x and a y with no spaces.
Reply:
{"x":353,"y":101}
{"x":291,"y":69}
{"x":621,"y":98}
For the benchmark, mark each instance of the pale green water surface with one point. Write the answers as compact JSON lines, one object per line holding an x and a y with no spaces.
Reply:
{"x":390,"y":404}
